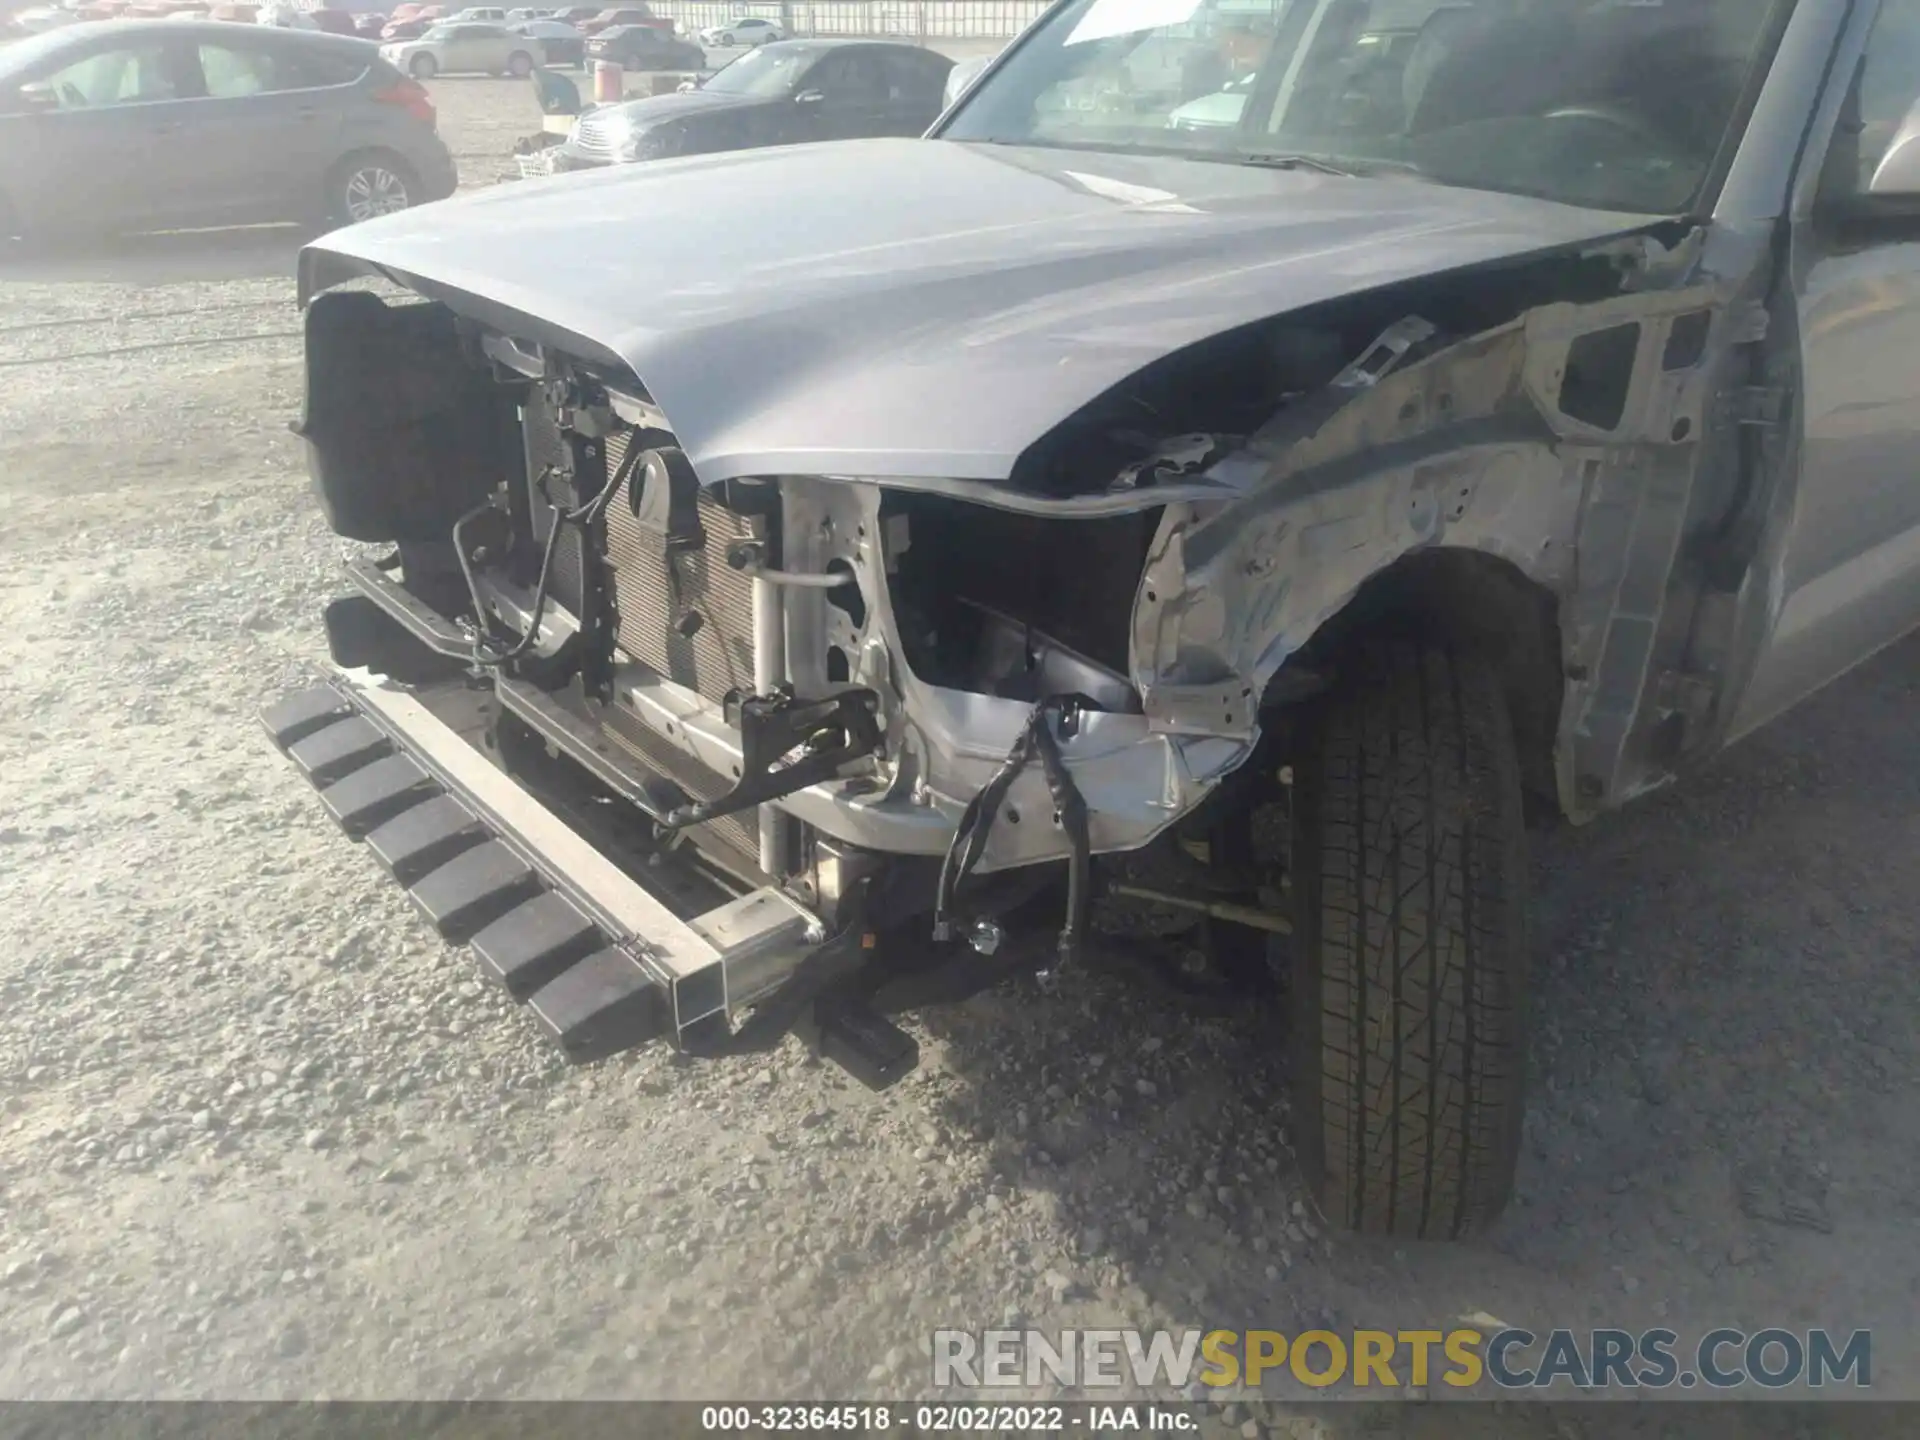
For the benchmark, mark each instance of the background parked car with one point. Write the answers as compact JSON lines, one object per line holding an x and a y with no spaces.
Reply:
{"x":126,"y":125}
{"x":44,"y":17}
{"x":625,"y":15}
{"x":641,"y":47}
{"x":780,"y":94}
{"x":283,"y":17}
{"x":410,"y":21}
{"x":479,"y":15}
{"x":369,"y":26}
{"x":559,"y":42}
{"x":744,"y":30}
{"x":452,"y":47}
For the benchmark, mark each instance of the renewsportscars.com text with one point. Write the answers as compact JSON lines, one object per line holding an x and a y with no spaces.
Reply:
{"x":1511,"y":1358}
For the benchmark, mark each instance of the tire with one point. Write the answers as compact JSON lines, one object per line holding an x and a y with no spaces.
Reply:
{"x":423,"y":67}
{"x":519,"y":64}
{"x":356,"y":191}
{"x":1409,"y":954}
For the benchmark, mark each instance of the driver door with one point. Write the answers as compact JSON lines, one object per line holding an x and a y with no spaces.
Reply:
{"x":844,"y":97}
{"x":1851,"y":575}
{"x":94,"y":138}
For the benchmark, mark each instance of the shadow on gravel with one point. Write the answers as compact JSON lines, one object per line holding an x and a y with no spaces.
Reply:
{"x":175,"y":257}
{"x":1724,"y":1021}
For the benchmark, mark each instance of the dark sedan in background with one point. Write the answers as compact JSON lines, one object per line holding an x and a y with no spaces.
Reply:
{"x":785,"y":93}
{"x":130,"y":125}
{"x":645,"y":47}
{"x":560,"y":42}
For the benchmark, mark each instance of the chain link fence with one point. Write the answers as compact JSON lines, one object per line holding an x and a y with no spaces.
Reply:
{"x":921,"y":21}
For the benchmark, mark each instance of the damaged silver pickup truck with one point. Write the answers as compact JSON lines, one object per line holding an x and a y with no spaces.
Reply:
{"x":818,"y":582}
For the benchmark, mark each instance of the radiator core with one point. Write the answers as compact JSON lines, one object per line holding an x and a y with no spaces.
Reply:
{"x":712,"y":655}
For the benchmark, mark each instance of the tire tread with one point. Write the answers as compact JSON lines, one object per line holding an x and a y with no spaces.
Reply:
{"x":1411,"y":952}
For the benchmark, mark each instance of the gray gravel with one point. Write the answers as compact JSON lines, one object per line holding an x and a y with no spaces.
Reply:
{"x":263,"y":1135}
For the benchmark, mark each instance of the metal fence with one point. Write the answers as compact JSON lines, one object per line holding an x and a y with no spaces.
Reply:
{"x":923,"y":21}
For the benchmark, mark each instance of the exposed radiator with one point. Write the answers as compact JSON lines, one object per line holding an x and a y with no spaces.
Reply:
{"x":714,"y":659}
{"x":655,"y":627}
{"x":657,"y":611}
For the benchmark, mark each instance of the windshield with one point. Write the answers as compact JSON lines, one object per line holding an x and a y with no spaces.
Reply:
{"x":1618,"y":104}
{"x":762,"y":73}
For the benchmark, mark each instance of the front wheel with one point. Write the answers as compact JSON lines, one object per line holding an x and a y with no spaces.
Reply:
{"x":423,"y":67}
{"x":1409,"y":954}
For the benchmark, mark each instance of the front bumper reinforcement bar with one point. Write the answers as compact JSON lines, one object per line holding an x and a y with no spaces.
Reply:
{"x":603,"y":962}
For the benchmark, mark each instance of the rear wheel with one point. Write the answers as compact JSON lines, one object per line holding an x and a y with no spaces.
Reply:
{"x":423,"y":67}
{"x":1409,"y":969}
{"x":368,"y":185}
{"x":520,"y":64}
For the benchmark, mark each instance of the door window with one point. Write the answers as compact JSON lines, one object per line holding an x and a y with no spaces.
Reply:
{"x":126,"y":75}
{"x":234,"y":71}
{"x":911,"y":79}
{"x":1889,"y":82}
{"x":1884,"y":89}
{"x":847,"y":79}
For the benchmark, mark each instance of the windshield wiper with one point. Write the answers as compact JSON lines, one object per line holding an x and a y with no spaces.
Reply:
{"x":1297,"y":162}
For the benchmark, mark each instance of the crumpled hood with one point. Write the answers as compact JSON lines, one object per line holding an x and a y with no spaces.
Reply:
{"x":921,"y":308}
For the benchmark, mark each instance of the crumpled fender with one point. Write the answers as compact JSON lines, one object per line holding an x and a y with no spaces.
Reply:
{"x":1467,"y":447}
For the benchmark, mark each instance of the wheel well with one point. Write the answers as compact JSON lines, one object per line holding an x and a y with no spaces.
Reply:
{"x":1468,"y":600}
{"x":394,"y":159}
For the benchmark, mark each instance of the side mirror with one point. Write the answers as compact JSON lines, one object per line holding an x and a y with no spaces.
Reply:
{"x":809,"y":97}
{"x":39,"y":95}
{"x":1898,"y":174}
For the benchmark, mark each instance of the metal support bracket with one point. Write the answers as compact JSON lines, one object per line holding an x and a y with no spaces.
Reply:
{"x":828,"y":734}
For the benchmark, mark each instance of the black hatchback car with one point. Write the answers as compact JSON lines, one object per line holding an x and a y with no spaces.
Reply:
{"x":132,"y":125}
{"x":785,"y":93}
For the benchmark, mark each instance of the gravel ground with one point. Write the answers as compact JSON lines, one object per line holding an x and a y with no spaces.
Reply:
{"x":262,"y":1135}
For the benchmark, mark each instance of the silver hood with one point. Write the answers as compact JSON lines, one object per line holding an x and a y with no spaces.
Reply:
{"x":918,"y":308}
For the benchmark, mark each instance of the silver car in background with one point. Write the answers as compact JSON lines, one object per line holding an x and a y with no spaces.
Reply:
{"x":132,"y":125}
{"x":454,"y":47}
